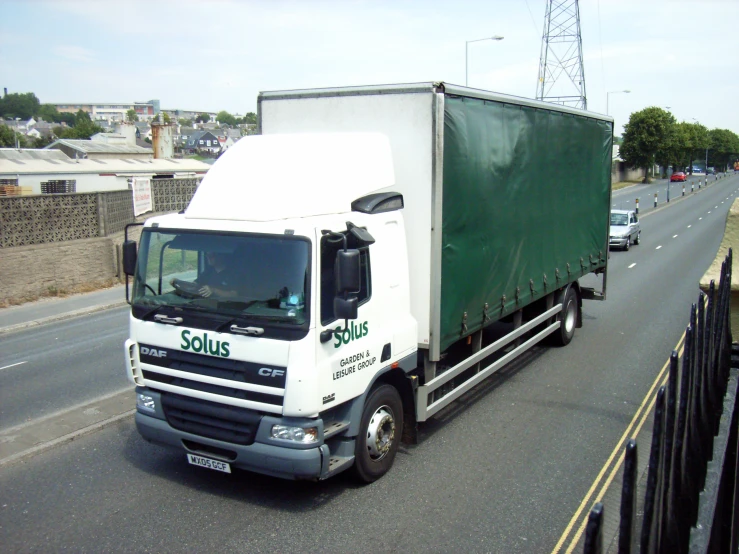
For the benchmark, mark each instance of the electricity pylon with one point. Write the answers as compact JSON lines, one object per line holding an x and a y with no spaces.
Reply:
{"x":561,"y":72}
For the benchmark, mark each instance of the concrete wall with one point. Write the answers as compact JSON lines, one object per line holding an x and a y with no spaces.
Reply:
{"x":27,"y":272}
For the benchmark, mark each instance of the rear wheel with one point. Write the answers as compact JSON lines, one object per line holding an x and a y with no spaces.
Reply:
{"x":379,"y":434}
{"x":568,"y":318}
{"x":637,"y":240}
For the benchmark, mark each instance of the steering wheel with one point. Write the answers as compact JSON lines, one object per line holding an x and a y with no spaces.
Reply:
{"x":186,"y":288}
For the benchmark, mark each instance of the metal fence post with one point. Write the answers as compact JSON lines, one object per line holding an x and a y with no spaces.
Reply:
{"x":637,"y":206}
{"x":655,"y":199}
{"x":626,"y":528}
{"x":594,"y":531}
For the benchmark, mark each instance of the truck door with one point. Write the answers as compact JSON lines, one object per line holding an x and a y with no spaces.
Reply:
{"x":349,"y":353}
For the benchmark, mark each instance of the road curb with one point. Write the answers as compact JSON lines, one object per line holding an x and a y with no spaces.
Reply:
{"x":61,"y":317}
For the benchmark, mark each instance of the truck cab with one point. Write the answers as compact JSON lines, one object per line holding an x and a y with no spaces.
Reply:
{"x":261,"y":366}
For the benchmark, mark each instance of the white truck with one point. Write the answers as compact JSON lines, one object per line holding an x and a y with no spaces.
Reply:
{"x":370,"y":256}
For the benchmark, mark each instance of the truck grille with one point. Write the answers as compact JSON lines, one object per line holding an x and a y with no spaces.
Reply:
{"x":210,"y":419}
{"x":194,"y":369}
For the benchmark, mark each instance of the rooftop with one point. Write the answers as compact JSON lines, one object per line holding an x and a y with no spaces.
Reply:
{"x":116,"y":166}
{"x":98,"y":147}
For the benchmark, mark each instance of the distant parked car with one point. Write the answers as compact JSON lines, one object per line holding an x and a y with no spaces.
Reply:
{"x":625,"y":229}
{"x":677,"y":176}
{"x":711,"y":171}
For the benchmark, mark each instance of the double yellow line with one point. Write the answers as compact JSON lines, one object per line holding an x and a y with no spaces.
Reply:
{"x":632,"y":430}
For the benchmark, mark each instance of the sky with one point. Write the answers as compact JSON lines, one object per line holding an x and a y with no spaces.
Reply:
{"x":205,"y":55}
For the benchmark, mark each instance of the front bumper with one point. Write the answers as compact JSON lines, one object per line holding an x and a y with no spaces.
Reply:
{"x":265,"y":455}
{"x":618,"y":242}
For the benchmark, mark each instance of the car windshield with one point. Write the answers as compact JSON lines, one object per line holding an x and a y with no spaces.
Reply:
{"x":238,"y":275}
{"x":619,"y":219}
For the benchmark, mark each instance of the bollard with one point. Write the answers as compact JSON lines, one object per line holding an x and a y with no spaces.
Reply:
{"x":699,"y":184}
{"x":691,"y":186}
{"x":637,"y":206}
{"x":683,"y":189}
{"x":655,"y":199}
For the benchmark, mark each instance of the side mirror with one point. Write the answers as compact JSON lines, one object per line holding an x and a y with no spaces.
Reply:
{"x":345,"y":308}
{"x":347,"y":271}
{"x":129,"y":257}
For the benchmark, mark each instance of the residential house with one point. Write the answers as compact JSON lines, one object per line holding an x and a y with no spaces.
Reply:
{"x":203,"y":142}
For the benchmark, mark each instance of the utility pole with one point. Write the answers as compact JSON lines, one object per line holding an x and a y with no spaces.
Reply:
{"x":561,"y":72}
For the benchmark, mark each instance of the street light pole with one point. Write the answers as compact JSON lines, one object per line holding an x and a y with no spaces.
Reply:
{"x":17,"y":144}
{"x":613,"y":92}
{"x":466,"y":50}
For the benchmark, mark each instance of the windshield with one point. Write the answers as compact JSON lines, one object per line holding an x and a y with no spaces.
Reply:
{"x":619,"y":219}
{"x":243,"y":276}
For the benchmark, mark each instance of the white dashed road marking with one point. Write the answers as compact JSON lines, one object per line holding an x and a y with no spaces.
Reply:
{"x":632,"y":265}
{"x":674,"y":236}
{"x":660,"y":246}
{"x":13,"y":365}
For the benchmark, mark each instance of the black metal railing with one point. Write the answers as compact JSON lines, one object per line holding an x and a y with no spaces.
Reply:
{"x":690,"y":498}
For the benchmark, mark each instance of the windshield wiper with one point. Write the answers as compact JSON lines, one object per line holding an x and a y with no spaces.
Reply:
{"x":233,"y":320}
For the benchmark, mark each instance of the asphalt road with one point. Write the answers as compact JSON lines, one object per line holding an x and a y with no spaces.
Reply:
{"x":626,"y":198}
{"x":501,"y":470}
{"x":50,"y":368}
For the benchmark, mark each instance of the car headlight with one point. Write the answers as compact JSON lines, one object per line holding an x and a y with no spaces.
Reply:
{"x":297,"y":434}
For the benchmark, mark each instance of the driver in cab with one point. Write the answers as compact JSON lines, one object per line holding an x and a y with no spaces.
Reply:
{"x":218,"y":278}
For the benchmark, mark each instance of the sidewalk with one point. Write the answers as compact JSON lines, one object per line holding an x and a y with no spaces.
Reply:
{"x":47,"y":310}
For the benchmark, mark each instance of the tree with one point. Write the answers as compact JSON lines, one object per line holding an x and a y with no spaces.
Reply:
{"x":131,"y":116}
{"x":185,"y":122}
{"x":8,"y":137}
{"x":226,"y":118}
{"x":83,"y":128}
{"x":696,"y":142}
{"x":202,"y":118}
{"x":250,"y":118}
{"x":14,"y":105}
{"x":647,"y":131}
{"x":165,"y":117}
{"x":723,"y":147}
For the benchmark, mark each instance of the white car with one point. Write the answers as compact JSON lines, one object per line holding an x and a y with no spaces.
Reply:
{"x":625,"y":229}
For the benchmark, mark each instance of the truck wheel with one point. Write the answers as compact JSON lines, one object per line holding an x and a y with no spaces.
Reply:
{"x":380,"y":432}
{"x":568,"y":316}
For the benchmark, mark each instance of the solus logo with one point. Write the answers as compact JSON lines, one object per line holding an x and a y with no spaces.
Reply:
{"x":205,"y":345}
{"x":350,"y":333}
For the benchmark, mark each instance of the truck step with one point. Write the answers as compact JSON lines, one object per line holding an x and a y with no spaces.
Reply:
{"x":337,"y":464}
{"x":334,"y":428}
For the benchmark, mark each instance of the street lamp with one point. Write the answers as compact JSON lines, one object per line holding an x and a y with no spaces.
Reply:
{"x":614,"y":92}
{"x":17,"y":145}
{"x":466,"y":49}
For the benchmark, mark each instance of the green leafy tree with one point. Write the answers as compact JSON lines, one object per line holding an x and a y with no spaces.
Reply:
{"x":42,"y":142}
{"x":8,"y":137}
{"x":166,"y":118}
{"x":131,"y":116}
{"x":14,"y":105}
{"x":696,"y":142}
{"x":250,"y":118}
{"x":156,"y":119}
{"x":647,"y":135}
{"x":225,"y":118}
{"x":202,"y":118}
{"x":723,"y":148}
{"x":83,"y":127}
{"x":185,"y":122}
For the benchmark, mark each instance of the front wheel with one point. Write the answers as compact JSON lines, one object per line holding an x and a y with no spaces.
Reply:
{"x":637,"y":240}
{"x":628,"y":243}
{"x":379,"y":434}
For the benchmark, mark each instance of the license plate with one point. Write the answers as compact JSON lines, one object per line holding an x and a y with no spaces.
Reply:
{"x":208,"y":463}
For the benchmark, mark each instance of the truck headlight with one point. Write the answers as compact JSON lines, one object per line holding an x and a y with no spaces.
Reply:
{"x":146,"y":403}
{"x":298,"y":434}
